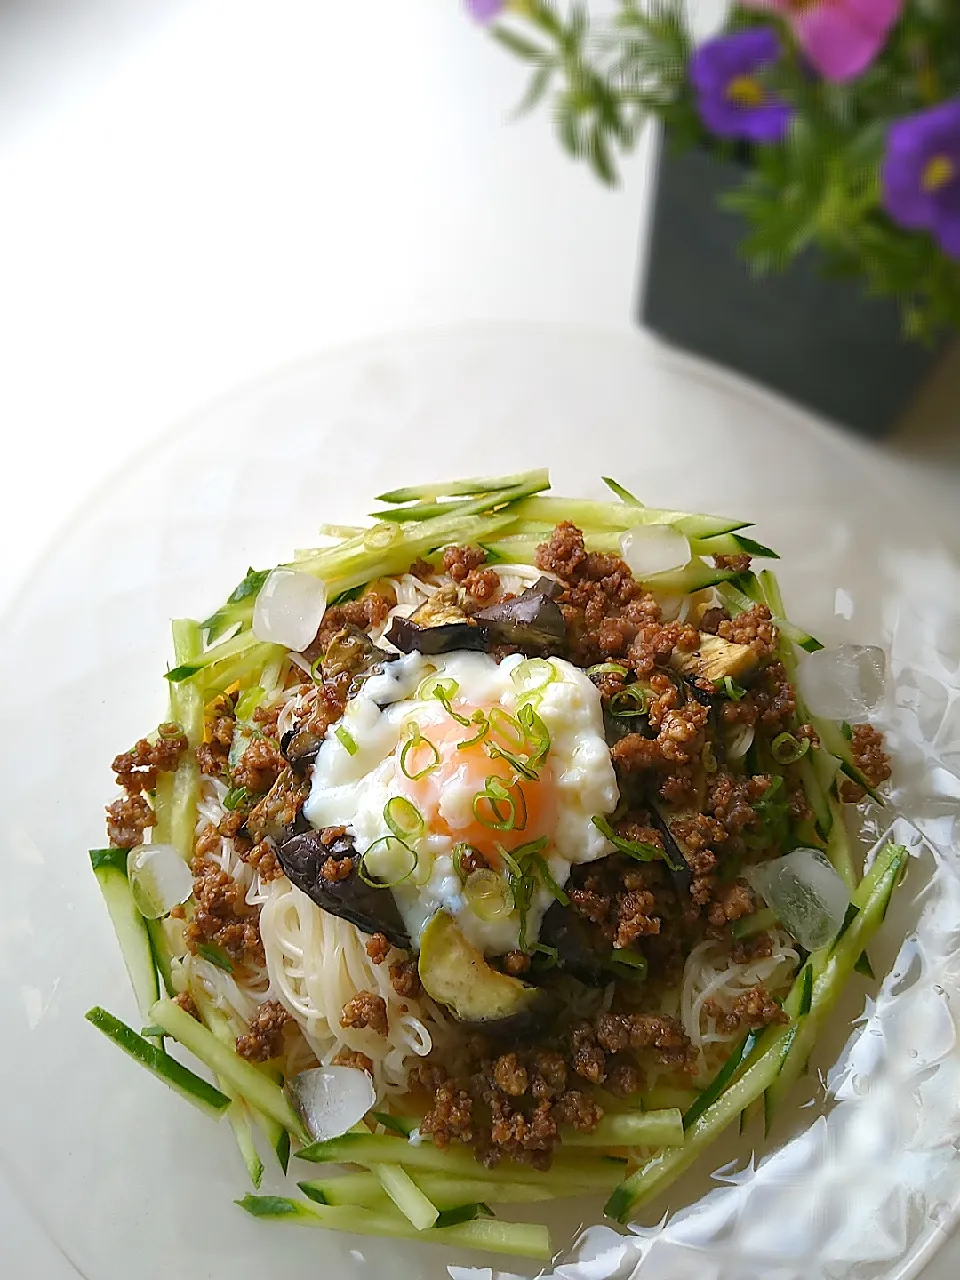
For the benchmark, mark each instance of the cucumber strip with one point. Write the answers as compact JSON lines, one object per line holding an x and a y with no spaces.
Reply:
{"x":731,"y":544}
{"x":623,"y":494}
{"x":163,"y":954}
{"x":636,"y":1129}
{"x":162,"y":808}
{"x":341,"y":532}
{"x":709,"y":1095}
{"x":524,"y":1239}
{"x":238,"y":606}
{"x":595,"y":516}
{"x":161,"y":1064}
{"x":246,"y":670}
{"x":463,"y":507}
{"x":780,"y":1053}
{"x":242,"y":1076}
{"x":445,"y":1192}
{"x":694,"y":576}
{"x":818,"y":795}
{"x":838,"y":845}
{"x":738,"y":599}
{"x":187,"y":706}
{"x":238,"y":1114}
{"x":770,"y":586}
{"x":232,"y":648}
{"x":750,"y":926}
{"x":110,"y":869}
{"x":463,"y":1213}
{"x":466,"y":488}
{"x":872,"y":897}
{"x":666,"y":1095}
{"x":832,"y":740}
{"x":864,"y":967}
{"x":371,"y":1148}
{"x":406,"y":1195}
{"x":353,"y":564}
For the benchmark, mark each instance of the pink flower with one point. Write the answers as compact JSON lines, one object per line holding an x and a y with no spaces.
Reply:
{"x":840,"y":37}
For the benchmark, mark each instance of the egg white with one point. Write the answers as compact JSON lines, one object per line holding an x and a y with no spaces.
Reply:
{"x":351,"y":790}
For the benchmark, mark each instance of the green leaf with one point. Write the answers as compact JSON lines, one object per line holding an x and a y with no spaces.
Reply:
{"x":538,"y":86}
{"x":519,"y":45}
{"x":598,"y":153}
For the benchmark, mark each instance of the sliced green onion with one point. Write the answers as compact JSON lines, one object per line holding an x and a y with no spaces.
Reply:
{"x":390,"y":845}
{"x":508,"y":727}
{"x":633,"y":961}
{"x":439,"y":687}
{"x":708,"y":758}
{"x":536,"y":733}
{"x":545,"y":957}
{"x":480,"y":719}
{"x":607,"y":669}
{"x":638,"y":849}
{"x":172,"y":730}
{"x":786,"y":749}
{"x":546,"y":875}
{"x":416,"y":740}
{"x":346,"y":740}
{"x":730,"y":687}
{"x":403,"y":818}
{"x":497,"y":795}
{"x":521,"y":887}
{"x":522,"y":767}
{"x":533,"y":675}
{"x":216,"y":956}
{"x":316,"y":670}
{"x":631,"y":701}
{"x":235,"y":797}
{"x":457,"y":858}
{"x":488,"y":895}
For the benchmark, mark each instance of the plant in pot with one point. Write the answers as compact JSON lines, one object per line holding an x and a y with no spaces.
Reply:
{"x":806,"y":221}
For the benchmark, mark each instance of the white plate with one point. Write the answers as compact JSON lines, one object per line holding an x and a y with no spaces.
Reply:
{"x":130,"y":1181}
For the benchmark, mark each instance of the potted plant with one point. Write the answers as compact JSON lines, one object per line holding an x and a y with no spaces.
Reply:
{"x":806,"y":222}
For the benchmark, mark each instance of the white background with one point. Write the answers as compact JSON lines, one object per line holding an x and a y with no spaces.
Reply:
{"x":195,"y":191}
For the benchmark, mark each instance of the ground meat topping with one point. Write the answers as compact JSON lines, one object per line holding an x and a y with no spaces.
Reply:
{"x":739,"y":564}
{"x":263,"y":857}
{"x":218,"y":729}
{"x":259,"y":766}
{"x":367,"y":612}
{"x":460,"y":562}
{"x":136,"y":770}
{"x":405,"y":978}
{"x":350,"y":1058}
{"x":186,"y":1002}
{"x":753,"y":627}
{"x":264,"y":1037}
{"x":450,"y":1117}
{"x":365,"y":1011}
{"x":511,"y":1075}
{"x":870,"y":758}
{"x":127,"y":819}
{"x":378,"y":947}
{"x":222,"y":917}
{"x":750,"y":1011}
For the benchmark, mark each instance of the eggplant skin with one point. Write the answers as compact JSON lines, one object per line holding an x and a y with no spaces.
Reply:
{"x":456,"y":975}
{"x":533,"y":621}
{"x":371,"y":909}
{"x":410,"y":637}
{"x":564,"y":931}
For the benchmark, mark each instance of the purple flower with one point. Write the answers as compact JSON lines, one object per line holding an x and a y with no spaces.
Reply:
{"x":485,"y":10}
{"x":732,"y":100}
{"x":921,"y":174}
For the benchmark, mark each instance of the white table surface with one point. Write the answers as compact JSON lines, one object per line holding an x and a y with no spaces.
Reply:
{"x":195,"y":191}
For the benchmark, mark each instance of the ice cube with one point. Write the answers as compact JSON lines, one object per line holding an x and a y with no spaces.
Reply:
{"x":845,"y":682}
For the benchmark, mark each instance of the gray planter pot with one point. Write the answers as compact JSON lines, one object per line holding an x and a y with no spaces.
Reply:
{"x":820,"y":342}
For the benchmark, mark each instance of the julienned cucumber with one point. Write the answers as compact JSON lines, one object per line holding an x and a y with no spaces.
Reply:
{"x":830,"y":974}
{"x":778,"y":1050}
{"x":637,"y":1129}
{"x":596,"y":516}
{"x":244,"y":1078}
{"x":442,"y":1190}
{"x":187,"y":706}
{"x":466,"y":488}
{"x":162,"y":1065}
{"x":479,"y":505}
{"x":406,"y":1195}
{"x":525,"y":1239}
{"x":110,"y":869}
{"x":368,"y":1149}
{"x":833,"y":740}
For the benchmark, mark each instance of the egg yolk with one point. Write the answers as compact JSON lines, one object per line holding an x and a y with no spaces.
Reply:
{"x":489,"y":802}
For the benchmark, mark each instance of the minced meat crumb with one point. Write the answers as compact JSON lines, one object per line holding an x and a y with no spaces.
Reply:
{"x":366,"y":612}
{"x":186,"y":1002}
{"x":350,"y":1058}
{"x":136,"y":770}
{"x":747,"y":950}
{"x":127,"y":819}
{"x":731,"y":902}
{"x":336,"y":869}
{"x":259,"y":766}
{"x":739,"y":564}
{"x":264,"y":1037}
{"x":218,"y":729}
{"x":405,"y":978}
{"x":223,"y":918}
{"x":516,"y":963}
{"x":753,"y":627}
{"x":750,"y":1011}
{"x":378,"y":948}
{"x":870,"y":758}
{"x":450,"y":1117}
{"x":460,"y":562}
{"x":365,"y":1011}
